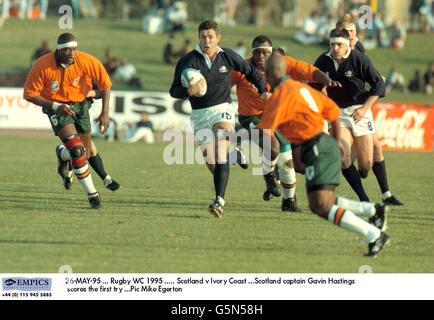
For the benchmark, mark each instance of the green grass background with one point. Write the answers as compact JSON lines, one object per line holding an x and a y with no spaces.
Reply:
{"x":158,"y":221}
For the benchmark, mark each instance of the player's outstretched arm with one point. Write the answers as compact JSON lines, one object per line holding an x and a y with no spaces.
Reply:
{"x":103,"y":119}
{"x":252,"y":74}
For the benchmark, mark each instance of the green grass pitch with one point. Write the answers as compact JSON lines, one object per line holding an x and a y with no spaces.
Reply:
{"x":158,"y":222}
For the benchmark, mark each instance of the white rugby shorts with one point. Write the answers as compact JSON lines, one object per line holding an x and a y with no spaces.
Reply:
{"x":365,"y":126}
{"x":203,"y":120}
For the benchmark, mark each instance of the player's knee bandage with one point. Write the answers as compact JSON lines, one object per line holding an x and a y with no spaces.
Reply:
{"x":287,"y":174}
{"x":77,"y":152}
{"x":283,"y":158}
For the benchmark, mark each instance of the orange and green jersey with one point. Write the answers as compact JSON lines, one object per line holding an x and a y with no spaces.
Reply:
{"x":250,"y":102}
{"x":298,"y":111}
{"x":49,"y":79}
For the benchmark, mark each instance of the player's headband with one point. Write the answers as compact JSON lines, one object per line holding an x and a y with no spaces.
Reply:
{"x":340,"y":40}
{"x":270,"y":49}
{"x":70,"y":44}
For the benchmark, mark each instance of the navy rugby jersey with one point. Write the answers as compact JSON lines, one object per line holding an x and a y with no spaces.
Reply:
{"x":353,"y":73}
{"x":217,"y":75}
{"x":359,"y":47}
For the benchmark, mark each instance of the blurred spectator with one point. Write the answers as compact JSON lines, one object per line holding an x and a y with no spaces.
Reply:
{"x":258,"y":10}
{"x":231,"y":9}
{"x":185,"y":49}
{"x":168,"y":52}
{"x":355,"y":16}
{"x":110,"y":134}
{"x":395,"y":81}
{"x":427,"y":14}
{"x":415,"y":83}
{"x":325,"y":24}
{"x":331,"y":7}
{"x":309,"y":33}
{"x":83,"y":8}
{"x":143,"y":130}
{"x":127,"y":73}
{"x":225,"y":12}
{"x":43,"y":8}
{"x":154,"y":22}
{"x":25,"y":9}
{"x":158,"y":5}
{"x":171,"y":57}
{"x":177,"y":17}
{"x":429,"y":79}
{"x":355,"y":4}
{"x":39,"y":52}
{"x":110,"y":62}
{"x":376,"y":35}
{"x":397,"y":35}
{"x":4,"y":11}
{"x":415,"y":15}
{"x":240,"y":49}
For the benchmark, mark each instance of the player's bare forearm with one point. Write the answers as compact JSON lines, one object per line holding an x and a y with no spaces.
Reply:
{"x":105,"y":95}
{"x":322,"y":78}
{"x":40,"y":101}
{"x":336,"y":129}
{"x":370,"y":102}
{"x":103,"y":119}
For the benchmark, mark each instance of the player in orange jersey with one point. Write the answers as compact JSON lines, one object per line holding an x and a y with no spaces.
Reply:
{"x":59,"y":83}
{"x":299,"y":111}
{"x":250,"y":108}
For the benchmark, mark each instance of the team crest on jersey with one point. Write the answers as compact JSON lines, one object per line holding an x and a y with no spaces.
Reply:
{"x":54,"y":85}
{"x":76,"y":81}
{"x":349,"y":74}
{"x":310,"y":172}
{"x":223,"y":69}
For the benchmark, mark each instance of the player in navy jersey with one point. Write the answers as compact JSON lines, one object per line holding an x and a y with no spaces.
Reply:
{"x":379,"y":164}
{"x":353,"y":70}
{"x":214,"y":111}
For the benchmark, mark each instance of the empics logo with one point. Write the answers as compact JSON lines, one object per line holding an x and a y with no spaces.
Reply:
{"x":10,"y":282}
{"x":26,"y":284}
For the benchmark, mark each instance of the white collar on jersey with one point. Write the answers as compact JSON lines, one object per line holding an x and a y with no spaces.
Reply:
{"x":207,"y":59}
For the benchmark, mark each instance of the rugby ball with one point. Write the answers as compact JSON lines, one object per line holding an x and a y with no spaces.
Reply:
{"x":189,"y":75}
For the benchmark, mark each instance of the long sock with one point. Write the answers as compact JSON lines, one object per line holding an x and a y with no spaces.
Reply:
{"x":349,"y":221}
{"x":288,"y":182}
{"x":380,"y":172}
{"x":361,"y":209}
{"x":221,"y":178}
{"x":85,"y":178}
{"x":353,"y":177}
{"x":98,"y":166}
